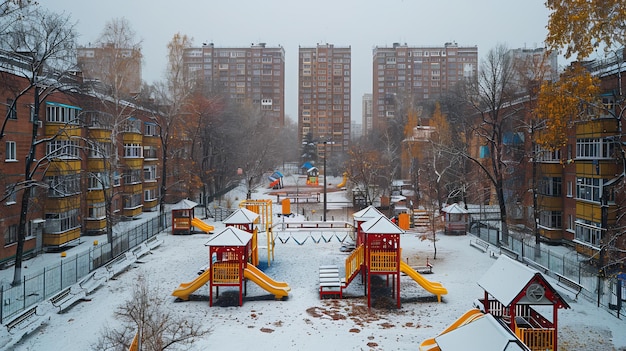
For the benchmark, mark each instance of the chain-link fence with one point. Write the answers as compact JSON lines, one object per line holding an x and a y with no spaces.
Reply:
{"x":563,"y":261}
{"x":52,"y":279}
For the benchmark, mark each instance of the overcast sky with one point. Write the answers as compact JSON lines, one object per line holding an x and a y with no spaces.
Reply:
{"x":360,"y":24}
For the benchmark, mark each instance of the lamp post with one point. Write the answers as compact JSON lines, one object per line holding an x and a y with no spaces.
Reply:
{"x":325,"y":180}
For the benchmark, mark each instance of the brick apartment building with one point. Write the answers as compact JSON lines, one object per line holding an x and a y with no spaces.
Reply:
{"x":253,"y":76}
{"x":324,"y":96}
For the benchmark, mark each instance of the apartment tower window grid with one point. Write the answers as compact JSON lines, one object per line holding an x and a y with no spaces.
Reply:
{"x":324,"y":95}
{"x":247,"y":75}
{"x":403,"y":73}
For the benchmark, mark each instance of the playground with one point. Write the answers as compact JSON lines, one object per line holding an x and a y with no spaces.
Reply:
{"x":302,"y":318}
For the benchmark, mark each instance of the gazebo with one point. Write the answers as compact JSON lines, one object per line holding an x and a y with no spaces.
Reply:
{"x":182,"y":214}
{"x":456,"y":219}
{"x":510,"y":289}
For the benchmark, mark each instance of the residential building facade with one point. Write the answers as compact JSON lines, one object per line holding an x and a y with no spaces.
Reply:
{"x":324,"y":96}
{"x":90,"y":165}
{"x":253,"y":76}
{"x":405,"y":74}
{"x":111,"y":66}
{"x":367,"y":117}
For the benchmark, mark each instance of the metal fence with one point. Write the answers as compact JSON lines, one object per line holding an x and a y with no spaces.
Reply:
{"x":39,"y":286}
{"x":560,"y":261}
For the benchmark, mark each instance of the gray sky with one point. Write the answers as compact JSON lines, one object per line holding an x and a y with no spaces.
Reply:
{"x":361,"y":24}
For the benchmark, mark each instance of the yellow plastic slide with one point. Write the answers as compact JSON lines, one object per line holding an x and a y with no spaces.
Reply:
{"x":345,"y":180}
{"x":185,"y":289}
{"x":196,"y":222}
{"x":278,"y":289}
{"x":467,"y":317}
{"x":432,"y":287}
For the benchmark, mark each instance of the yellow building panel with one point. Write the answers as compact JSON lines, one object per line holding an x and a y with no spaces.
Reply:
{"x":151,"y":204}
{"x":550,"y":203}
{"x":552,"y":235}
{"x":51,"y":129}
{"x":95,"y":224}
{"x":550,"y":169}
{"x":596,"y":128}
{"x":99,"y":134}
{"x":97,"y":165}
{"x":95,"y":196}
{"x":133,"y":162}
{"x":54,"y":204}
{"x":63,"y":167}
{"x":593,"y":212}
{"x":605,"y":169}
{"x":133,"y":188}
{"x":132,"y":138}
{"x":132,"y":212}
{"x":61,"y":238}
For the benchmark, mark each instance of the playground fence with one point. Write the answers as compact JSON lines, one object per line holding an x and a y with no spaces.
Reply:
{"x":41,"y":285}
{"x":565,"y":263}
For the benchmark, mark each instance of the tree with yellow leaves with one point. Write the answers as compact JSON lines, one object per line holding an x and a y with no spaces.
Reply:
{"x":581,"y":26}
{"x":563,"y":102}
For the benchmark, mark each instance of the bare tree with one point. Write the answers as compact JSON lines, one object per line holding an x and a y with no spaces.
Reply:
{"x":42,"y":45}
{"x":492,"y":97}
{"x":154,"y":326}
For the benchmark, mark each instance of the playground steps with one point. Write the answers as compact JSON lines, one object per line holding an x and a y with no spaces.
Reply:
{"x":330,"y":283}
{"x":421,"y":219}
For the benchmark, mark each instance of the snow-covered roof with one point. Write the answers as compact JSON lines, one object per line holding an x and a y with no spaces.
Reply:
{"x":485,"y":334}
{"x":506,"y":278}
{"x":454,"y":208}
{"x":380,"y":225}
{"x":230,"y":236}
{"x":241,"y":216}
{"x":184,"y":204}
{"x":367,"y":213}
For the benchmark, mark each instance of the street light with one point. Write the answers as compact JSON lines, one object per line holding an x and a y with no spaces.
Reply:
{"x":325,"y":182}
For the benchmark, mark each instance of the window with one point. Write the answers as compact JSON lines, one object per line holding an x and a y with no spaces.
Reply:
{"x":10,"y":193}
{"x":11,"y":109}
{"x":63,"y":185}
{"x":551,"y":219}
{"x":150,"y":173}
{"x":133,"y":201}
{"x":99,"y":181}
{"x":588,"y":232}
{"x":588,"y":189}
{"x":550,"y":186}
{"x":132,"y":150}
{"x":149,"y":195}
{"x":150,"y":129}
{"x":99,"y":149}
{"x":594,"y":148}
{"x":64,"y":149}
{"x":10,"y":235}
{"x":61,"y":113}
{"x":10,"y":151}
{"x":96,"y":210}
{"x":545,"y":155}
{"x":132,"y":176}
{"x":117,"y":178}
{"x":150,"y":152}
{"x":62,"y":221}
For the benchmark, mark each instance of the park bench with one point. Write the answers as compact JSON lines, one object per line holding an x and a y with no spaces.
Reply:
{"x":66,"y":298}
{"x":537,"y":266}
{"x":479,"y":244}
{"x":512,"y":254}
{"x":117,"y":266}
{"x":153,"y":242}
{"x":26,"y":322}
{"x":569,"y":285}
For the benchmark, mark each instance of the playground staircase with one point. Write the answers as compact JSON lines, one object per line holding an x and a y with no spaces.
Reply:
{"x":330,"y":283}
{"x":421,"y":219}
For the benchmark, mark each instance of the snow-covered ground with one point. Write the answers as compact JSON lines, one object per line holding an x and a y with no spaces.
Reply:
{"x":303,"y":321}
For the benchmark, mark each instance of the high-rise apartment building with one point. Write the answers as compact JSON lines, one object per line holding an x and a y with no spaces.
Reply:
{"x":403,"y":73}
{"x":111,"y":65}
{"x":534,"y":64}
{"x":324,"y":95}
{"x":252,"y":75}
